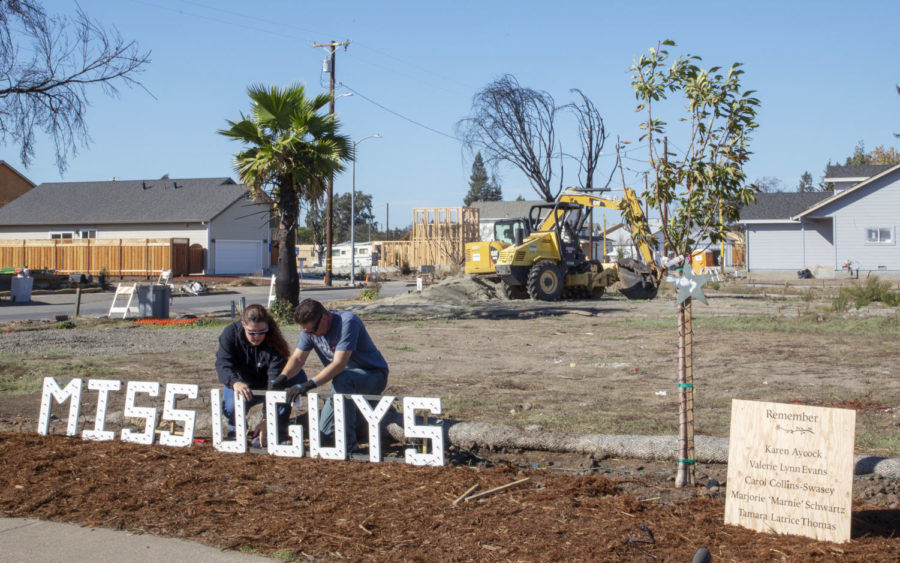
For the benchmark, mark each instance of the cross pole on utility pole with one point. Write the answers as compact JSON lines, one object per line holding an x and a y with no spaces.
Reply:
{"x":329,"y":207}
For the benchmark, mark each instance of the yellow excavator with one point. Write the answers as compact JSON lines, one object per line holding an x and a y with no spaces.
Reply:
{"x":549,"y":263}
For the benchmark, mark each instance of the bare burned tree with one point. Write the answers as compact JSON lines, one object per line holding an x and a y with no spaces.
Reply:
{"x":47,"y":64}
{"x":514,"y":124}
{"x":593,"y":136}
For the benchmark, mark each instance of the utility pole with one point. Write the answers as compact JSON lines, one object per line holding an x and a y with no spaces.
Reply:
{"x":329,"y":207}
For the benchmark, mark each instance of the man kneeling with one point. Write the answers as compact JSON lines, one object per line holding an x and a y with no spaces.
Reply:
{"x":353,"y":364}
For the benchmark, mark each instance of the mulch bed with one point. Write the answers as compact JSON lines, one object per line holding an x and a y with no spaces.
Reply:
{"x":385,"y":511}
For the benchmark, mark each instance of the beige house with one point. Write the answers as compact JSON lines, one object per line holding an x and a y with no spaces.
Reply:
{"x":12,"y":183}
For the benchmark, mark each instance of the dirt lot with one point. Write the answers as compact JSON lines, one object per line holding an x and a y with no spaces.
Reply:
{"x":588,"y":367}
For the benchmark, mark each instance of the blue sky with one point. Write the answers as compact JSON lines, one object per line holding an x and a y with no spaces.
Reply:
{"x":825,"y":73}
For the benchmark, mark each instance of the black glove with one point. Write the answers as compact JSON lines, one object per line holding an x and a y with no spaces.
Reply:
{"x":278,"y":383}
{"x":298,"y":390}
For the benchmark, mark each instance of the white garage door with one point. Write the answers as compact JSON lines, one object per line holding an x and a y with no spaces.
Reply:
{"x":238,"y":256}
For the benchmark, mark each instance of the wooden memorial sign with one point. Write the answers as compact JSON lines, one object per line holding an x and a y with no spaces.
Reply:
{"x":790,"y":469}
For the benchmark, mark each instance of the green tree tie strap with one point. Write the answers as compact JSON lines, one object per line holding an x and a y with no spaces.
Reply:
{"x":686,"y":385}
{"x":687,"y":461}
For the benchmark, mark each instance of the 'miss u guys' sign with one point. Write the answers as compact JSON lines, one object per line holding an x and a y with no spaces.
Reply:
{"x":187,"y":417}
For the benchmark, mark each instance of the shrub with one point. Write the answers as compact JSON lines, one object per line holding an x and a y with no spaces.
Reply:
{"x":861,"y":294}
{"x":65,"y":324}
{"x":283,"y":312}
{"x":103,"y":279}
{"x":369,"y":294}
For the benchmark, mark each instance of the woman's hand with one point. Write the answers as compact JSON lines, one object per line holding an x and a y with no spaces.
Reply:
{"x":241,"y":389}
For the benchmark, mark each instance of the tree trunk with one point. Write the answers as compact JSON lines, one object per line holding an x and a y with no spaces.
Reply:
{"x":287,"y":281}
{"x":685,"y":474}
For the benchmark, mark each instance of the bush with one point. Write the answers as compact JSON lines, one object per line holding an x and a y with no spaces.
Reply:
{"x":103,"y":279}
{"x":65,"y":324}
{"x":861,"y":294}
{"x":369,"y":294}
{"x":283,"y":312}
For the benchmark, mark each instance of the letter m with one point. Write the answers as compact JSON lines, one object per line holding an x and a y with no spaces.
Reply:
{"x":52,"y":391}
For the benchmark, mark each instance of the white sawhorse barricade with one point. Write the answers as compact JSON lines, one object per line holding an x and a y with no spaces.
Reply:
{"x":125,"y":292}
{"x":715,"y":273}
{"x":271,"y":294}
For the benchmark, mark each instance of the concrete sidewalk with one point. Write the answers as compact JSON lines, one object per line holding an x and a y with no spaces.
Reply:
{"x":23,"y":540}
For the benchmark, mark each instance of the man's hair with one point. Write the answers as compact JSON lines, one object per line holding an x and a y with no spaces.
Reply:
{"x":307,"y":311}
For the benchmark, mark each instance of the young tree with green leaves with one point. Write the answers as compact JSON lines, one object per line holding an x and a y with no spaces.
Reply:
{"x":293,"y":148}
{"x":699,"y":191}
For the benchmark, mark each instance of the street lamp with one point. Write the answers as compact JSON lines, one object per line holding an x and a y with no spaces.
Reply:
{"x":353,"y":212}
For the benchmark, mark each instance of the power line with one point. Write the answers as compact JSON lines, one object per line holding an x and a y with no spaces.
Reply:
{"x":401,"y":116}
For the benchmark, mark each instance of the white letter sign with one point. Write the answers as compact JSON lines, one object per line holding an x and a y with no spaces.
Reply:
{"x":52,"y":390}
{"x":295,"y":448}
{"x":433,"y":433}
{"x":147,"y":413}
{"x":104,"y":386}
{"x":167,"y":438}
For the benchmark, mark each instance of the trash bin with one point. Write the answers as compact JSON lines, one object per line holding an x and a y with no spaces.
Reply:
{"x":153,"y":301}
{"x":20,"y":289}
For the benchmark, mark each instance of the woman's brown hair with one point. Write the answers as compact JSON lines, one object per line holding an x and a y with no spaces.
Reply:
{"x":274,"y":338}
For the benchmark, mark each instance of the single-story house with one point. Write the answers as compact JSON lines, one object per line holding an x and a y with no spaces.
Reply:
{"x":12,"y":183}
{"x":216,"y":213}
{"x":489,"y":212}
{"x":823,"y":231}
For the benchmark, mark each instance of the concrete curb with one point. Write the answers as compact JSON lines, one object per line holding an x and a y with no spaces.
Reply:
{"x":708,"y":449}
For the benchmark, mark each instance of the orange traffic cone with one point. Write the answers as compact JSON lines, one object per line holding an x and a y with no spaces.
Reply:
{"x":367,"y":278}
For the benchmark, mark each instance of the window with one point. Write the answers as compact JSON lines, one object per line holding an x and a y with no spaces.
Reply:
{"x":61,"y":235}
{"x":362,"y":251}
{"x":88,"y":234}
{"x":880,"y":235}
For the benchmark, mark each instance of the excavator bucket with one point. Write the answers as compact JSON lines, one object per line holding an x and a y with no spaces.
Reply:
{"x":636,"y":280}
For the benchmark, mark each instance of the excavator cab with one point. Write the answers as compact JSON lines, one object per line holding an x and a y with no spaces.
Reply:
{"x":481,"y":256}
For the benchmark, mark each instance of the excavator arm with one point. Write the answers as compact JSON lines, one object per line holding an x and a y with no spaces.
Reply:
{"x":639,"y":280}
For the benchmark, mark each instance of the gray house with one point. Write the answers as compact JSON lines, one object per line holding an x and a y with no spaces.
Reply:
{"x":823,"y":231}
{"x":215,"y":213}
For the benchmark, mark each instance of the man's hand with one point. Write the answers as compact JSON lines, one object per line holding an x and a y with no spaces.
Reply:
{"x":278,"y":383}
{"x":299,"y":390}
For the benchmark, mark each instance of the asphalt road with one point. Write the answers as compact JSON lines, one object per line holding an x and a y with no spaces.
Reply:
{"x":49,"y":306}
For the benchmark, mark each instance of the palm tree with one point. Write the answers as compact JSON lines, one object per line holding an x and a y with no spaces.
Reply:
{"x":293,"y":149}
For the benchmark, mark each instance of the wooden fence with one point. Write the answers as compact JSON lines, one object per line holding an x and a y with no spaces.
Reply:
{"x":438,"y":238}
{"x":439,"y":235}
{"x":119,"y":257}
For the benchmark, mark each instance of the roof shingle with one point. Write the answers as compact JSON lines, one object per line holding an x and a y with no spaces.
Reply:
{"x":780,"y":205}
{"x":128,"y":201}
